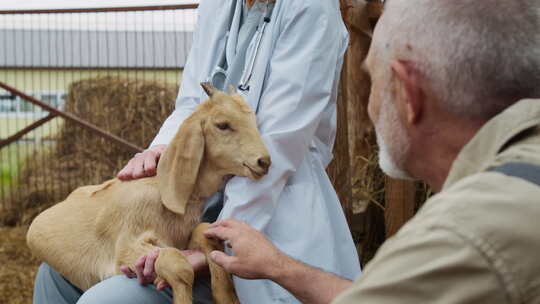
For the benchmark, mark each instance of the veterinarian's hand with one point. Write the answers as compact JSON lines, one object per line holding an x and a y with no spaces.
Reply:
{"x":144,"y":269}
{"x":255,"y":256}
{"x":143,"y":164}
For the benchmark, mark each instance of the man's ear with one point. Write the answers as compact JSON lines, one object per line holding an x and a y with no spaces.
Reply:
{"x":410,"y":81}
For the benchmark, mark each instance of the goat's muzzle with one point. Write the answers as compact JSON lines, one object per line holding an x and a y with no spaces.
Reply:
{"x":260,"y":167}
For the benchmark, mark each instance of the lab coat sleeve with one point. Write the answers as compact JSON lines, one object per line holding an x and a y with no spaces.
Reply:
{"x":298,"y":88}
{"x":188,"y":97}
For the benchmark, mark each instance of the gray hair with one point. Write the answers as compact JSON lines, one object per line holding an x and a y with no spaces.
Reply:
{"x":479,"y":56}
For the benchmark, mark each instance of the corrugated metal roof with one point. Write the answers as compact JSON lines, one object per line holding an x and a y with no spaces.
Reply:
{"x":93,"y":49}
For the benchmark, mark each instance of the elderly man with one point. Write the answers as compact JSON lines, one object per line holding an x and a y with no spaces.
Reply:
{"x":453,"y":102}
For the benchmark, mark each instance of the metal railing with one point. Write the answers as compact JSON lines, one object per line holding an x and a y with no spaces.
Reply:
{"x":46,"y":53}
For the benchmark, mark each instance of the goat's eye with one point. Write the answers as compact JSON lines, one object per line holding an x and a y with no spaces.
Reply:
{"x":223,"y":126}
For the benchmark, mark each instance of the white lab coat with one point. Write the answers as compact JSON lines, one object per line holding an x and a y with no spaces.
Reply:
{"x":294,"y":86}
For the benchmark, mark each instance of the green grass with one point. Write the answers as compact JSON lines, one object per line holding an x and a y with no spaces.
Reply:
{"x":6,"y":182}
{"x":12,"y":157}
{"x":11,"y":161}
{"x":5,"y":175}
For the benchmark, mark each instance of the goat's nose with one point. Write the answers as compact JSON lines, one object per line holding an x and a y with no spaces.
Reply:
{"x":264,"y":162}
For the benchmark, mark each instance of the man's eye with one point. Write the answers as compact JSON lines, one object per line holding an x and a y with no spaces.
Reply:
{"x":223,"y":126}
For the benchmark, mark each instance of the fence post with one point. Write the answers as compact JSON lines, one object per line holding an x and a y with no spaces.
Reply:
{"x":353,"y":123}
{"x":339,"y":169}
{"x":400,"y":196}
{"x":355,"y":87}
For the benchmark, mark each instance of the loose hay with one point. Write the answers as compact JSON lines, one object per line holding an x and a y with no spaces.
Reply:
{"x":17,"y":267}
{"x":132,"y":109}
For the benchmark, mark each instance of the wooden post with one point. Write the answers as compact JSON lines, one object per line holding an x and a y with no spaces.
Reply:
{"x":339,"y":169}
{"x":353,"y":140}
{"x":360,"y":17}
{"x":355,"y":87}
{"x":400,"y":197}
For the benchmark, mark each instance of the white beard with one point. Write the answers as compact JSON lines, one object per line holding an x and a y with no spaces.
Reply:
{"x":393,"y":142}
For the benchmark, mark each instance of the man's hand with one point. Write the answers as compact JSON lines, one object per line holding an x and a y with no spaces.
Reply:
{"x":256,"y":257}
{"x":145,"y":272}
{"x":143,"y":164}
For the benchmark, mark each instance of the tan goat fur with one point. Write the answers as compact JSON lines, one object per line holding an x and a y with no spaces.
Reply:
{"x":99,"y":228}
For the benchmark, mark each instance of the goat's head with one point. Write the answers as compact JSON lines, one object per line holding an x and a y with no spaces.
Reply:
{"x":219,"y":139}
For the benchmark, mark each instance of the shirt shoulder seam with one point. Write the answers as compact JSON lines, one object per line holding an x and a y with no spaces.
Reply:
{"x":487,"y":251}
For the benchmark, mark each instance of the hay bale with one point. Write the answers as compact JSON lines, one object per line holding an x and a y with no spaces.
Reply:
{"x":132,"y":109}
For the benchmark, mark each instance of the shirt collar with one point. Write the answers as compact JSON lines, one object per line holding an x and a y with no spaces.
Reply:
{"x":477,"y":155}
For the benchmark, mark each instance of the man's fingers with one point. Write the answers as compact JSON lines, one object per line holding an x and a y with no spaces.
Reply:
{"x":222,"y":223}
{"x":219,"y":232}
{"x":226,"y":223}
{"x":223,"y":260}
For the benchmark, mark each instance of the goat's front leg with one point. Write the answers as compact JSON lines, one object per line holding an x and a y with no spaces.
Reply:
{"x":170,"y":266}
{"x":222,"y":286}
{"x":173,"y":267}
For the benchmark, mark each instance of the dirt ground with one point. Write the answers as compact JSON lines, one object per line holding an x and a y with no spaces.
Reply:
{"x":17,"y":267}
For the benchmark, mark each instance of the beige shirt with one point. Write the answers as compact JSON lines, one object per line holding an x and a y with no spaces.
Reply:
{"x":478,"y":241}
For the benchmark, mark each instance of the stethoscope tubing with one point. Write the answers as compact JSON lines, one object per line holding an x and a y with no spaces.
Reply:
{"x":219,"y":74}
{"x":246,"y":77}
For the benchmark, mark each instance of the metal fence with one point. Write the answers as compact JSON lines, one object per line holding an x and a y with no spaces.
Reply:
{"x":44,"y":52}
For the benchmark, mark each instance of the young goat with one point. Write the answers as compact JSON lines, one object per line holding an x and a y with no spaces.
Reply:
{"x":99,"y":228}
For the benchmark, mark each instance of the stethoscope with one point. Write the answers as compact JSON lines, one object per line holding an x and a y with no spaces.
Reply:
{"x":219,"y":75}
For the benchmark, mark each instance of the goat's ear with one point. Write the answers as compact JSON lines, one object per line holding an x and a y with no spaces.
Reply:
{"x":179,"y":166}
{"x":209,"y":88}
